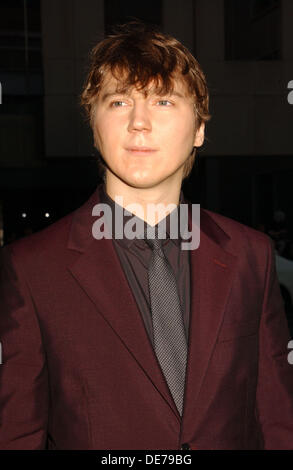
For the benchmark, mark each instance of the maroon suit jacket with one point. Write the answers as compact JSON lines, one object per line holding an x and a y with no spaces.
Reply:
{"x":78,"y":370}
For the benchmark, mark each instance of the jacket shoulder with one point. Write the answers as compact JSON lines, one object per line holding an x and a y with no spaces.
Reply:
{"x":238,"y":232}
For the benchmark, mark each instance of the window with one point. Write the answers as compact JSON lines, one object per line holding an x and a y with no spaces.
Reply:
{"x":20,"y":35}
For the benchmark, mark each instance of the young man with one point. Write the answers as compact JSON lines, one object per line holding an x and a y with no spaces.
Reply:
{"x":121,"y":342}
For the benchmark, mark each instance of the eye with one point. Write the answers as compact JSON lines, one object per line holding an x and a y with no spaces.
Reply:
{"x":117,"y":104}
{"x":164,"y":103}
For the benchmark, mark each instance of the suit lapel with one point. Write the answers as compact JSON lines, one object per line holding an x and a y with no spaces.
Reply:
{"x":212,"y":272}
{"x":99,"y":273}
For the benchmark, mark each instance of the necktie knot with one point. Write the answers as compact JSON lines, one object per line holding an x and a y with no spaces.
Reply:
{"x":154,"y":242}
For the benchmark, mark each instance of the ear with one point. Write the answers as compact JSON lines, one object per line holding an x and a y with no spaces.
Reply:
{"x":199,"y":136}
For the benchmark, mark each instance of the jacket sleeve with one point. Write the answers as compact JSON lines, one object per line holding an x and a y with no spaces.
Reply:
{"x":275,"y":375}
{"x":23,"y":370}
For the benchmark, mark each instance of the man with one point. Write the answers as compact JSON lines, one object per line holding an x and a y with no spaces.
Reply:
{"x":125,"y":343}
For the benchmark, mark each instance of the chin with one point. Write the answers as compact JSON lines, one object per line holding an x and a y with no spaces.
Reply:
{"x":141,"y":183}
{"x":140,"y":180}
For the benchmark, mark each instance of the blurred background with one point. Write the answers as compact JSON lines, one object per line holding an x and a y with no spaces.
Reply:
{"x":243,"y":171}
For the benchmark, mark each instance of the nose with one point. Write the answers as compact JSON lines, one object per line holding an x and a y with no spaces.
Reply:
{"x":139,"y":118}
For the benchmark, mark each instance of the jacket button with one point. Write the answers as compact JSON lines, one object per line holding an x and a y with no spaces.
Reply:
{"x":185,"y":446}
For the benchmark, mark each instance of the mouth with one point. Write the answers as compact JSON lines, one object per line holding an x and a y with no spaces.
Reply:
{"x":140,"y":150}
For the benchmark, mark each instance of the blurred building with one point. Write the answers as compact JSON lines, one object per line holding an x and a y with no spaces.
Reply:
{"x":46,"y":154}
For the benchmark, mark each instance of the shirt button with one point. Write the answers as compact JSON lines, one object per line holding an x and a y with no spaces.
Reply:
{"x":185,"y":446}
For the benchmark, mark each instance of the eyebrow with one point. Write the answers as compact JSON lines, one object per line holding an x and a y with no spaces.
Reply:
{"x":107,"y":95}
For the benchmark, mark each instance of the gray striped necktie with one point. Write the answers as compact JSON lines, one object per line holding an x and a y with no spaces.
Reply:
{"x":168,"y":328}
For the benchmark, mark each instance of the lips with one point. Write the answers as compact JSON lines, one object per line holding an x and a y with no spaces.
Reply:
{"x":140,"y":149}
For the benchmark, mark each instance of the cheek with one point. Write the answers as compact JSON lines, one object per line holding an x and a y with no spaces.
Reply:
{"x":102,"y":135}
{"x":182,"y":130}
{"x":110,"y":132}
{"x":182,"y":141}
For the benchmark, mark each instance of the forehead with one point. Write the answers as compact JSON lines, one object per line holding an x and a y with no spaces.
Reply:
{"x":176,"y":84}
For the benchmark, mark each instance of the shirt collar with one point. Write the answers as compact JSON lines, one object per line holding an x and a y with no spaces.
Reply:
{"x":126,"y":216}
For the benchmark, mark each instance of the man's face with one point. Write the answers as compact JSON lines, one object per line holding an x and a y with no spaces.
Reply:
{"x":145,"y":140}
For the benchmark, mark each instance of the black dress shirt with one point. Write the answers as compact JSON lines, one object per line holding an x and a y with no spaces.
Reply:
{"x":135,"y":255}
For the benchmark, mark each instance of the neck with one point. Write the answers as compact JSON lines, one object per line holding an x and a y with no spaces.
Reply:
{"x":152,"y":204}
